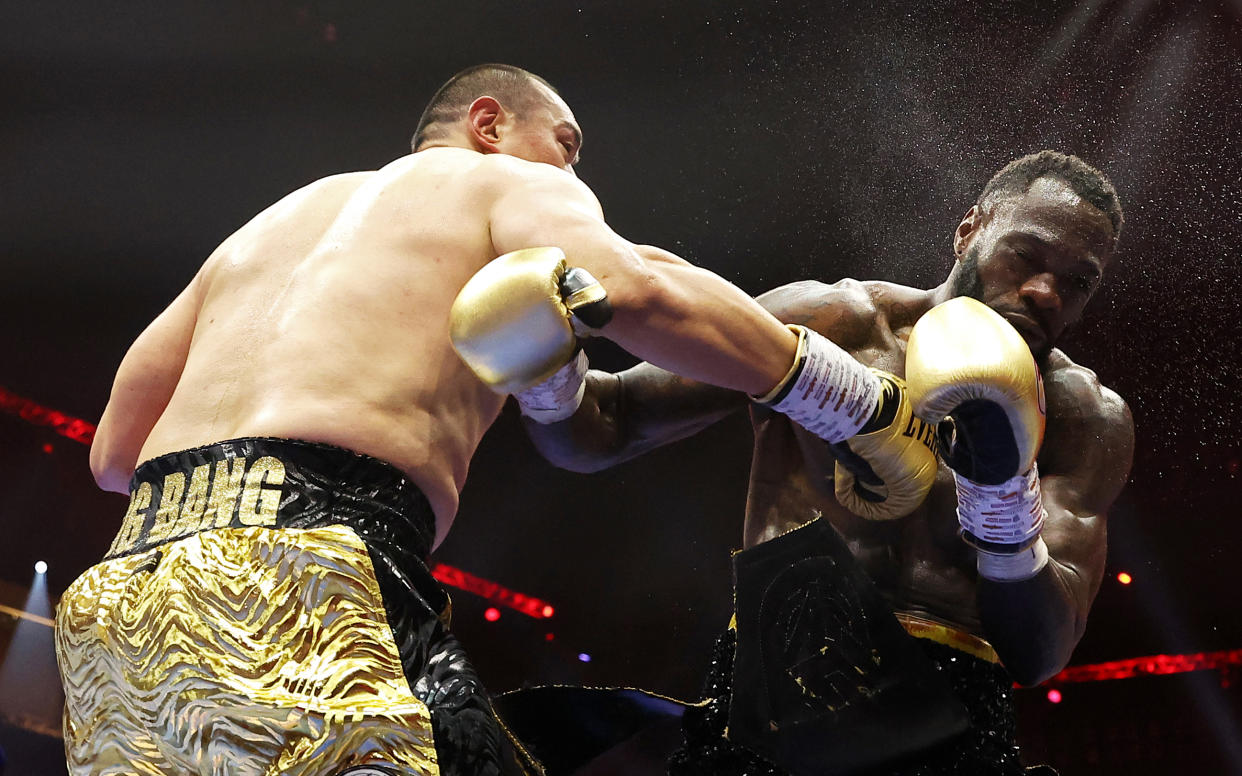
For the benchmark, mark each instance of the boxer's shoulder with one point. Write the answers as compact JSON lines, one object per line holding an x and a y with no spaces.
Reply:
{"x":335,"y":188}
{"x":516,"y":181}
{"x":844,"y":311}
{"x":1071,"y":386}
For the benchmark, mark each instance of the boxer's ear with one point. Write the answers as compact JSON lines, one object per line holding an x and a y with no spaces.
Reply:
{"x":485,"y":118}
{"x":966,"y":230}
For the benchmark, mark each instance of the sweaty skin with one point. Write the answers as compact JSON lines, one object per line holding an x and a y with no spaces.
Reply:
{"x":919,"y":562}
{"x":325,"y":318}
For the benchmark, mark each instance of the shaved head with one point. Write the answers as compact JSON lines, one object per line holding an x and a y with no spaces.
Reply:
{"x":514,"y":88}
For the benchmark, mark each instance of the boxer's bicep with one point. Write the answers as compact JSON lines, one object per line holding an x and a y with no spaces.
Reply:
{"x":143,"y":385}
{"x":1079,"y":485}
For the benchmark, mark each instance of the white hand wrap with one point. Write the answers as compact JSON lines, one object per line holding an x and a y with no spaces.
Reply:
{"x":1003,"y":522}
{"x":559,"y":396}
{"x":1010,"y":513}
{"x":826,"y":391}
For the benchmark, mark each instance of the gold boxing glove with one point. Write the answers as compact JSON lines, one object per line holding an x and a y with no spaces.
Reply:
{"x":885,"y":471}
{"x":516,"y":322}
{"x":971,"y":372}
{"x":966,"y":361}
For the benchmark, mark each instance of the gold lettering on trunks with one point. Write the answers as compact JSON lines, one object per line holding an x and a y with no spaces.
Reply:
{"x":170,"y":507}
{"x":195,"y":502}
{"x":131,"y":525}
{"x":225,"y":488}
{"x":259,"y":499}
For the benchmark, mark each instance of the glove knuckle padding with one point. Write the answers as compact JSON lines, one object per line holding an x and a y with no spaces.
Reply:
{"x":894,"y":455}
{"x":964,"y":360}
{"x":509,"y":322}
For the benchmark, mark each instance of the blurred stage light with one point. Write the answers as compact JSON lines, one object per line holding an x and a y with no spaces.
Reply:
{"x":40,"y":567}
{"x":492,"y":614}
{"x":1124,"y":578}
{"x":584,"y":657}
{"x":1054,"y":696}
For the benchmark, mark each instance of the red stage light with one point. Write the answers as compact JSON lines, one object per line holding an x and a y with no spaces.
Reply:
{"x":47,"y":448}
{"x":1151,"y":665}
{"x":548,"y":610}
{"x":492,"y":614}
{"x":549,"y":636}
{"x":32,"y":412}
{"x":1054,"y":696}
{"x":1124,"y":578}
{"x":492,"y":591}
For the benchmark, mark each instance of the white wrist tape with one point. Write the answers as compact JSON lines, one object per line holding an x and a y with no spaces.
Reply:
{"x":559,"y":396}
{"x":1013,"y":568}
{"x":1010,"y":514}
{"x":826,"y":391}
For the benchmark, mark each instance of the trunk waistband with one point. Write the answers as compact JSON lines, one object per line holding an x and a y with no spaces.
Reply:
{"x":962,"y":641}
{"x":274,"y":483}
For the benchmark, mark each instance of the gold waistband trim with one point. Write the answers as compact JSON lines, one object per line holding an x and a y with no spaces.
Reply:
{"x":951,"y":637}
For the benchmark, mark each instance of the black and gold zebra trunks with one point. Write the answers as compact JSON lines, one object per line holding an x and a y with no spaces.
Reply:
{"x":266,"y":609}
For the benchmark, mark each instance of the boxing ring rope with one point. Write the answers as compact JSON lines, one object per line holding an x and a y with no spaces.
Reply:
{"x":1152,"y":665}
{"x":83,"y":431}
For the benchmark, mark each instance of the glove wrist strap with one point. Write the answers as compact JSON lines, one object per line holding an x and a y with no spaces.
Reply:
{"x":826,"y":391}
{"x":558,"y":397}
{"x":1013,"y":567}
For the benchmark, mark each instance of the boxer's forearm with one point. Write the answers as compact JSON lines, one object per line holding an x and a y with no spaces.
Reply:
{"x":590,"y":440}
{"x":1032,"y":624}
{"x":624,"y":415}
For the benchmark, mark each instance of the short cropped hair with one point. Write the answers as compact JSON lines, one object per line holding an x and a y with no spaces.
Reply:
{"x":512,"y":86}
{"x":1016,"y":178}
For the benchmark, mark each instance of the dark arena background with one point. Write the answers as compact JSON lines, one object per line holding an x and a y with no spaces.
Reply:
{"x":770,"y":142}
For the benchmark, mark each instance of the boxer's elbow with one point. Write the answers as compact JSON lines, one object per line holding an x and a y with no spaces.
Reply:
{"x":110,"y":473}
{"x":111,"y":477}
{"x":1035,"y":653}
{"x":1029,"y":672}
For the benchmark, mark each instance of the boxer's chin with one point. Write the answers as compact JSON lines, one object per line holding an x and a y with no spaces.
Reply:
{"x":1040,"y":349}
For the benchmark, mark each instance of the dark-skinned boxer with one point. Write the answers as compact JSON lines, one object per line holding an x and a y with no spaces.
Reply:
{"x":991,"y":576}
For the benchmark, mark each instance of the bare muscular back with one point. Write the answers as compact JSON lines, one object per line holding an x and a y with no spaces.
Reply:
{"x":325,"y":318}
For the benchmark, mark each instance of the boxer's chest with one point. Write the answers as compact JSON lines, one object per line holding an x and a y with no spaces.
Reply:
{"x":918,"y":561}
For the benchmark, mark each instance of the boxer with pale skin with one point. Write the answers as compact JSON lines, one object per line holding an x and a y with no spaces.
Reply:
{"x":364,"y":266}
{"x":1001,"y":568}
{"x":294,"y":431}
